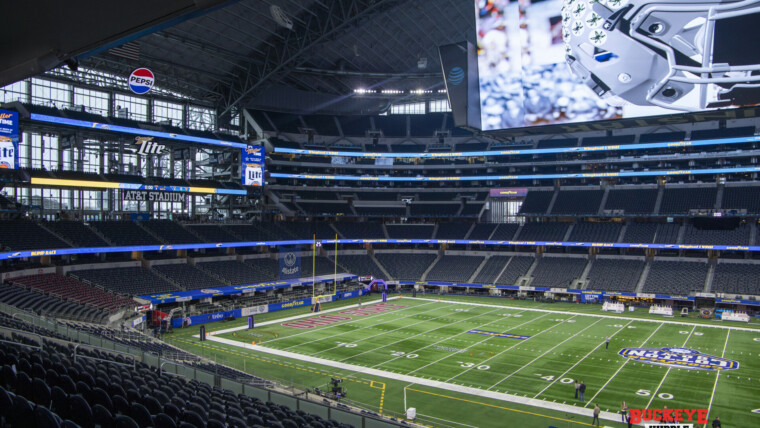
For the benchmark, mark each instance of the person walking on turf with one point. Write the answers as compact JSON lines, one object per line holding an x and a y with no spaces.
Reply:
{"x":577,"y":385}
{"x":582,"y":390}
{"x":716,"y":422}
{"x":607,"y":343}
{"x":596,"y":414}
{"x":623,"y":411}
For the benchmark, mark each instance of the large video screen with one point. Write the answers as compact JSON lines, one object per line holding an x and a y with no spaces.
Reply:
{"x":564,"y":61}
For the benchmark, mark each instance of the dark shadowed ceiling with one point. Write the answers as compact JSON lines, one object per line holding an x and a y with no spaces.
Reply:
{"x":231,"y":55}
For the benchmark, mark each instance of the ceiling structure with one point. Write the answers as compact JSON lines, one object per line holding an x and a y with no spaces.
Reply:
{"x":41,"y":35}
{"x":229,"y":55}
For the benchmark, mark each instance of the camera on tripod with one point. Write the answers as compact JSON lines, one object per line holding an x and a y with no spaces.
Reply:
{"x":338,"y":392}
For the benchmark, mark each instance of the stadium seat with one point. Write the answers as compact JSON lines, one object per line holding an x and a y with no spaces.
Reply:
{"x":44,"y":418}
{"x":124,"y":421}
{"x":102,"y":416}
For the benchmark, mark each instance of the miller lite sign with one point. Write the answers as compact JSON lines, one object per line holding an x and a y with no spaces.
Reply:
{"x":146,"y":146}
{"x":253,"y":166}
{"x":8,"y":139}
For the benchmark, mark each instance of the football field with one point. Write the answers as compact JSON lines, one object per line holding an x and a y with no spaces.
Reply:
{"x":481,"y":362}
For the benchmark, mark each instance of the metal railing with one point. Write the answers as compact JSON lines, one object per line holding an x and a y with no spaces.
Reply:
{"x":279,"y":391}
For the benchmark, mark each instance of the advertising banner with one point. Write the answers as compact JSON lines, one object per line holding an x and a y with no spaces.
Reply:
{"x":460,"y":69}
{"x":290,"y":263}
{"x":509,"y":193}
{"x":289,"y":305}
{"x":253,"y":166}
{"x":255,"y":310}
{"x":152,"y":196}
{"x":205,"y":318}
{"x":8,"y":139}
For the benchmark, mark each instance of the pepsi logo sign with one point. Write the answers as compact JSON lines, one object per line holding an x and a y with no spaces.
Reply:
{"x":141,"y":81}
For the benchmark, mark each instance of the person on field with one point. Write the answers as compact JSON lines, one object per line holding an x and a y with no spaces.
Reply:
{"x":623,"y":411}
{"x":607,"y":343}
{"x":577,"y":385}
{"x":596,"y":414}
{"x":582,"y":390}
{"x":716,"y":422}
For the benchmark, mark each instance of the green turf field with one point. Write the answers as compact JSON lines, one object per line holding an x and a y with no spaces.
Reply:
{"x":421,"y":354}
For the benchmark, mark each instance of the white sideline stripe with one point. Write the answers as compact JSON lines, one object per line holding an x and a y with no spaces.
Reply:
{"x":623,"y":365}
{"x":298,"y":317}
{"x":421,"y":381}
{"x":613,"y":317}
{"x":520,"y":342}
{"x":362,"y":328}
{"x":474,"y":344}
{"x":654,"y":394}
{"x":542,"y":355}
{"x":444,"y":420}
{"x":717,"y":376}
{"x":579,"y":361}
{"x":420,"y":334}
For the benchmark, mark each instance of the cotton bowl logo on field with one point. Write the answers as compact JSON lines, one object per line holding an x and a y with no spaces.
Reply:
{"x":141,"y":81}
{"x":680,"y":358}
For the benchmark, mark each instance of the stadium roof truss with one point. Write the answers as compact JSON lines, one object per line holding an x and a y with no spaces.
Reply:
{"x":227,"y":55}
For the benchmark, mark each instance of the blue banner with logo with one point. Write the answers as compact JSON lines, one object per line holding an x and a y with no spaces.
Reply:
{"x":737,"y":302}
{"x":253,"y":166}
{"x":8,"y":139}
{"x":205,"y":318}
{"x":290,"y":263}
{"x":289,"y":305}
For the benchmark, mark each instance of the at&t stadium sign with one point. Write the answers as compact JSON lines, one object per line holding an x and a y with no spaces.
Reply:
{"x":680,"y":358}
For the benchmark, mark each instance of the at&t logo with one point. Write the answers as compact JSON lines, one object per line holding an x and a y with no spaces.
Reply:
{"x":456,"y":76}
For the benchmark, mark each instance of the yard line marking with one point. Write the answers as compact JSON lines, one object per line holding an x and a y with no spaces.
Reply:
{"x":542,"y":355}
{"x":505,"y":408}
{"x":717,"y":376}
{"x":386,"y":332}
{"x":516,"y":344}
{"x":413,"y":379}
{"x":579,"y":361}
{"x":612,"y":317}
{"x":362,"y":328}
{"x":654,"y":394}
{"x":478,"y":343}
{"x":298,"y":317}
{"x":444,"y":420}
{"x":314,"y":330}
{"x":622,"y":365}
{"x":420,"y":334}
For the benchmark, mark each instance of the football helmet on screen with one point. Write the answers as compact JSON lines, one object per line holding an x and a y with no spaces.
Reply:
{"x":684,"y":55}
